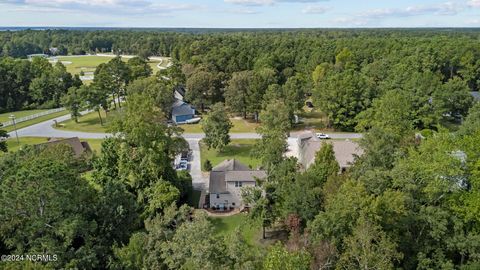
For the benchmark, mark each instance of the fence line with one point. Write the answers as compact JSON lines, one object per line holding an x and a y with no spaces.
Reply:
{"x":33,"y":116}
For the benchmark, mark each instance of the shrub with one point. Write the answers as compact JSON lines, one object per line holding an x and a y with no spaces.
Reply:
{"x":207,"y":165}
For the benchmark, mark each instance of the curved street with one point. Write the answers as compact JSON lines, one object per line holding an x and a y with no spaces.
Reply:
{"x":45,"y":129}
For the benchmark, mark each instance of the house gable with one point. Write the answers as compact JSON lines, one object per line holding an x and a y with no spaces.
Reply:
{"x":226,"y":181}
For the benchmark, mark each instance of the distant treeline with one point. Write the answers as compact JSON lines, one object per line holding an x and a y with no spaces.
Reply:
{"x":230,"y":51}
{"x":236,"y":50}
{"x":344,"y":69}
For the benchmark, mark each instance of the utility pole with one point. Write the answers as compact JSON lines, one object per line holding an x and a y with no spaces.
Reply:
{"x":15,"y":127}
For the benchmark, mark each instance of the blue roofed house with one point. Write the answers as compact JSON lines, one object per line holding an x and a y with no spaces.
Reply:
{"x":182,"y":112}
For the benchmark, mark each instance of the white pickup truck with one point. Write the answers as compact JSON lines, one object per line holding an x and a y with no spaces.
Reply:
{"x":323,"y":136}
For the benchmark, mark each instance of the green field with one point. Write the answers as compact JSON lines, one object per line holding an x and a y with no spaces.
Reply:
{"x":87,"y":123}
{"x":83,"y":63}
{"x":239,"y":126}
{"x":250,"y":230}
{"x":76,"y":64}
{"x":13,"y":146}
{"x":35,"y":121}
{"x":238,"y":148}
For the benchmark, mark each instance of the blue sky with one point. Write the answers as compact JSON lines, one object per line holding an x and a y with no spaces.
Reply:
{"x":241,"y":13}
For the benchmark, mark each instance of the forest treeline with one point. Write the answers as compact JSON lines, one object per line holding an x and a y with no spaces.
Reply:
{"x":344,"y":69}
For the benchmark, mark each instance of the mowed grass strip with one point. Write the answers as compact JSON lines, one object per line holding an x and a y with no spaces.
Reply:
{"x":36,"y":121}
{"x":4,"y":117}
{"x":239,"y":126}
{"x":240,"y":149}
{"x":86,"y":123}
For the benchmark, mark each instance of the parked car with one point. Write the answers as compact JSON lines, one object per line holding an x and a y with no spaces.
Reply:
{"x":323,"y":136}
{"x":183,"y":166}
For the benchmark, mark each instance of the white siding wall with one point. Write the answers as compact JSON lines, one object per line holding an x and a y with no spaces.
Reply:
{"x":224,"y":199}
{"x":236,"y":192}
{"x":235,"y":196}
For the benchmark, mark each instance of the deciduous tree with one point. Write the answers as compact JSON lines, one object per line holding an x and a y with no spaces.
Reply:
{"x":3,"y":140}
{"x":216,"y":127}
{"x":73,"y":102}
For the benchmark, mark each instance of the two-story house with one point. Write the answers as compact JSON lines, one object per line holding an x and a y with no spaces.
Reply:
{"x":226,"y":182}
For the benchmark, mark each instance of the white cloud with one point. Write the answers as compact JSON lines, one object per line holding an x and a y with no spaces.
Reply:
{"x":122,"y":7}
{"x":474,"y":3}
{"x":315,"y":10}
{"x":268,"y":2}
{"x":351,"y":21}
{"x":251,"y":2}
{"x":447,"y":8}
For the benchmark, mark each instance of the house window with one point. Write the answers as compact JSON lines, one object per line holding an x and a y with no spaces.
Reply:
{"x":233,"y":204}
{"x":218,"y":196}
{"x":238,"y":184}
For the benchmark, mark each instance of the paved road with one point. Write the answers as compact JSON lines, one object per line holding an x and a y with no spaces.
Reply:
{"x":45,"y":129}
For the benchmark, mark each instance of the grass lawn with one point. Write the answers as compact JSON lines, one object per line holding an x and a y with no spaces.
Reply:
{"x":35,"y":121}
{"x":4,"y":117}
{"x":86,"y":123}
{"x":238,"y":148}
{"x":312,"y":120}
{"x":239,"y":126}
{"x":13,"y":146}
{"x":86,"y":63}
{"x":250,"y":230}
{"x":89,"y":63}
{"x":95,"y":144}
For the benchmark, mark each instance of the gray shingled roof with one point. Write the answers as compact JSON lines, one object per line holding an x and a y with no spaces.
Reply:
{"x":231,"y":170}
{"x":181,"y":108}
{"x":217,"y":182}
{"x":251,"y":176}
{"x":79,"y":148}
{"x":231,"y":165}
{"x":345,"y":151}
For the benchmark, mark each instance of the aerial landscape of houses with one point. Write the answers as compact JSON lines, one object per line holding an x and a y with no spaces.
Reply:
{"x":240,"y":134}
